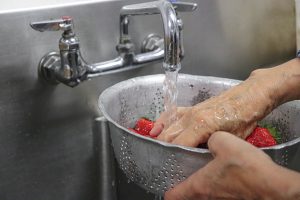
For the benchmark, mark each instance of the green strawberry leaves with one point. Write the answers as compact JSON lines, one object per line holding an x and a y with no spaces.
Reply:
{"x":274,"y":132}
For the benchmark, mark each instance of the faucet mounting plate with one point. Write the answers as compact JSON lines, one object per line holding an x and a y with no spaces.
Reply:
{"x":46,"y":67}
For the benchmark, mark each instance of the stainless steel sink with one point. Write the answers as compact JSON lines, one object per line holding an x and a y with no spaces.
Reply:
{"x":46,"y":136}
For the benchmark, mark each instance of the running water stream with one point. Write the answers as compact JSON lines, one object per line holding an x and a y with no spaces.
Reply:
{"x":170,"y":95}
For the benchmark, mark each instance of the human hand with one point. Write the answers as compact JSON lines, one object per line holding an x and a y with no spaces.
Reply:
{"x":229,"y":111}
{"x":236,"y":110}
{"x":194,"y":125}
{"x":238,"y":171}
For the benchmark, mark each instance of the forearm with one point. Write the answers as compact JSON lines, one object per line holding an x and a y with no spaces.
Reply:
{"x":289,"y":73}
{"x":238,"y":109}
{"x":281,"y":83}
{"x":265,"y":89}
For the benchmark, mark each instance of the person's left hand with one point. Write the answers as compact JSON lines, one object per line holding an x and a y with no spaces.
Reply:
{"x":238,"y":171}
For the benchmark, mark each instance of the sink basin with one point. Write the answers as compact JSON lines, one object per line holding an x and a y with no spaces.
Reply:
{"x":158,"y":166}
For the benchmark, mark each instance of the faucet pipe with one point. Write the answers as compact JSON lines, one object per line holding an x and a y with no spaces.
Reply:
{"x":70,"y":68}
{"x":118,"y":64}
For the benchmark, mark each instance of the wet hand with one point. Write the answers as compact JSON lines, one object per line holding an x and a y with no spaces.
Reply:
{"x":236,"y":110}
{"x":194,"y":125}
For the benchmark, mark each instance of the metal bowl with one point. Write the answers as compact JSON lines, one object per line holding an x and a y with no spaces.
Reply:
{"x":158,"y":166}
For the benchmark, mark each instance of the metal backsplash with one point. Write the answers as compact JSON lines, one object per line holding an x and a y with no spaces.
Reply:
{"x":46,"y":139}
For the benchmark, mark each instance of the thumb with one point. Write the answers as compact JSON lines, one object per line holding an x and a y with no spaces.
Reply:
{"x":221,"y":143}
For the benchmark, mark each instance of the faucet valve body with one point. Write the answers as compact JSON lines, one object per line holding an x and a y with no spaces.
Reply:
{"x":69,"y":67}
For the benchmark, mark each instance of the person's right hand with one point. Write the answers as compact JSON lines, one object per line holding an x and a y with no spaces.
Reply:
{"x":236,"y":110}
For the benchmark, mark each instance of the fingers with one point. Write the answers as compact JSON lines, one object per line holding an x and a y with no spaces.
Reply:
{"x":171,"y":133}
{"x":187,"y":132}
{"x":157,"y":129}
{"x":229,"y":175}
{"x":210,"y":181}
{"x":223,"y":143}
{"x":192,"y":138}
{"x":159,"y":125}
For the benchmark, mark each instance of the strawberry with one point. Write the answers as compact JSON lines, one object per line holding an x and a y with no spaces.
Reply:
{"x":273,"y":131}
{"x":143,"y":126}
{"x":261,"y":137}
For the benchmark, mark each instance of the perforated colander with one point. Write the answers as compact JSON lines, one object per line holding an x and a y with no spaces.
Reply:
{"x":158,"y":166}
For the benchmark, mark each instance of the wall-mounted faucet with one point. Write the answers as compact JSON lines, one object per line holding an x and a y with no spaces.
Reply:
{"x":70,"y":68}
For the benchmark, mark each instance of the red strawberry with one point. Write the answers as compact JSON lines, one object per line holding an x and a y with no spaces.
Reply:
{"x":261,"y":137}
{"x":143,"y":126}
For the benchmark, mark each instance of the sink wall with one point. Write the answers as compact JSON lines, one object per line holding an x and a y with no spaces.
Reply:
{"x":47,"y":146}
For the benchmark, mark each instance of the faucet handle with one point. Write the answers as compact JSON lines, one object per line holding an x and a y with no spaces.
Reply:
{"x":65,"y":24}
{"x":184,"y":6}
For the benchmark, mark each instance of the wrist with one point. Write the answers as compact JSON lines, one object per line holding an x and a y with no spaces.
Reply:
{"x":275,"y":86}
{"x":289,"y":75}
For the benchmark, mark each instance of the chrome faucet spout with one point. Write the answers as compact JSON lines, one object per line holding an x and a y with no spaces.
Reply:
{"x":172,"y":44}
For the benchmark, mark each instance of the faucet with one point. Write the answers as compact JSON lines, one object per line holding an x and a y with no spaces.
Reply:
{"x":173,"y":40}
{"x":70,"y":68}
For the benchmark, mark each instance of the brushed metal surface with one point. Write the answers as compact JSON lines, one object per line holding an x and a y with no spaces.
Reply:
{"x":106,"y":164}
{"x":46,"y":139}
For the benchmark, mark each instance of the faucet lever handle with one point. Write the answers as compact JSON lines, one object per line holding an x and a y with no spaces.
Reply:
{"x":184,"y":6}
{"x":64,"y":24}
